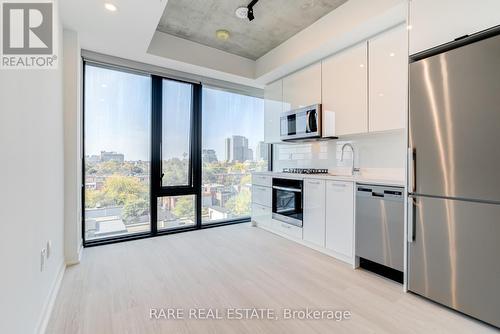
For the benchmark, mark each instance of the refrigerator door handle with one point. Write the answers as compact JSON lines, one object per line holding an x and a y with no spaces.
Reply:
{"x":412,"y":170}
{"x":411,"y":219}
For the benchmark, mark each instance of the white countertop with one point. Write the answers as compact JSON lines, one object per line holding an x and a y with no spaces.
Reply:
{"x":356,"y":178}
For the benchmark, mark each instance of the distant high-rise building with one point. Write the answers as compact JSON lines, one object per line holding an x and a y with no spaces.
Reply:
{"x":262,"y":151}
{"x":209,"y":156}
{"x":227,"y":149}
{"x":237,"y":149}
{"x":249,"y":155}
{"x":112,"y":156}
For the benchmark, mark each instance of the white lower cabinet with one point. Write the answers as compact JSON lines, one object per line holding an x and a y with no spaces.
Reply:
{"x":314,"y":212}
{"x":286,"y":229}
{"x":328,"y":221}
{"x":261,"y":199}
{"x":340,"y":218}
{"x":261,"y":214}
{"x":261,"y":195}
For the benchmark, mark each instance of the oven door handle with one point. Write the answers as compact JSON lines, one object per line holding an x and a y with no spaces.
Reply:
{"x":295,"y":190}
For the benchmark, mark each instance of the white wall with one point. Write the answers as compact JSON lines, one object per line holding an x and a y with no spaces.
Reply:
{"x":31,"y":194}
{"x":179,"y":49}
{"x":377,"y":154}
{"x":72,"y":147}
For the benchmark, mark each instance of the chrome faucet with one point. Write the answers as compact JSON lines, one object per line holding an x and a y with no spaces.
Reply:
{"x":353,"y":169}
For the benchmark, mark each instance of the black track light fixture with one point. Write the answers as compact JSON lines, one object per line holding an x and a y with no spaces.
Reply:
{"x":250,"y":9}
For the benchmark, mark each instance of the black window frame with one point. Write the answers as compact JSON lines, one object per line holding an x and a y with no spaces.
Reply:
{"x":157,"y":190}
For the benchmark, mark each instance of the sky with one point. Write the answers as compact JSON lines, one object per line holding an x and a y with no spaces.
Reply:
{"x":118,"y":116}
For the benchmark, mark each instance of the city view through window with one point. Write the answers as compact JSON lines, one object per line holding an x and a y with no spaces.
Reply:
{"x":117,"y":129}
{"x":117,"y":160}
{"x":232,"y":148}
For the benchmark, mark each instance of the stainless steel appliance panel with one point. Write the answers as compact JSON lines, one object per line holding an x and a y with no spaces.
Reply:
{"x":455,"y":122}
{"x":300,"y":124}
{"x":455,"y":255}
{"x":380,"y":225}
{"x":287,"y":201}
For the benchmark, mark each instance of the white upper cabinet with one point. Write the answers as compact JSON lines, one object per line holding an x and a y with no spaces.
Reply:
{"x":273,"y":107}
{"x":388,"y":68}
{"x":344,"y":89}
{"x":302,"y":88}
{"x":435,"y":22}
{"x":314,"y":212}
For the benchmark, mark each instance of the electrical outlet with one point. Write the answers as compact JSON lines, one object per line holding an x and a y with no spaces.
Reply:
{"x":49,"y":248}
{"x":42,"y":259}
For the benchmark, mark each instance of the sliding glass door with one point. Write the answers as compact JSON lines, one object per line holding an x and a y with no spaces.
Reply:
{"x":164,"y":156}
{"x":117,"y":136}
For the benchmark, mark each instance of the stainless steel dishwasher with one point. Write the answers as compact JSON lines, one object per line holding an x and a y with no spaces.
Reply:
{"x":380,"y":225}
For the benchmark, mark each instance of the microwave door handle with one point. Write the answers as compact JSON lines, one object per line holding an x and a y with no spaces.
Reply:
{"x":308,"y":127}
{"x":283,"y":126}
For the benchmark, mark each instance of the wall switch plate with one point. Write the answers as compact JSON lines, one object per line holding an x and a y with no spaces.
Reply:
{"x":49,"y":248}
{"x":43,"y":252}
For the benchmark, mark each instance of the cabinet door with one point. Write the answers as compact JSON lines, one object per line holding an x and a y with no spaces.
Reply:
{"x":262,"y":195}
{"x":314,"y":212}
{"x":260,"y":179}
{"x":437,"y":22}
{"x":273,"y":107}
{"x":261,"y":214}
{"x":340,"y":217}
{"x":344,"y":86}
{"x":388,"y":84}
{"x":302,"y":88}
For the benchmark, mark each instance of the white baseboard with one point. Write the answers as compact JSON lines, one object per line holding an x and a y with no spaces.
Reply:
{"x":49,"y":303}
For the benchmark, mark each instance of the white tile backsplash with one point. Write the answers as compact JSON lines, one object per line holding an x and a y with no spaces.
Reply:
{"x":376,"y":152}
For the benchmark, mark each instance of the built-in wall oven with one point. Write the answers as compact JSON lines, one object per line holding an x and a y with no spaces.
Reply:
{"x":287,"y":201}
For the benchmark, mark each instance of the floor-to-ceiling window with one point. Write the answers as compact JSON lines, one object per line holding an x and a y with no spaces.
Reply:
{"x":117,"y":136}
{"x":232,"y":148}
{"x":177,"y":193}
{"x":164,"y":155}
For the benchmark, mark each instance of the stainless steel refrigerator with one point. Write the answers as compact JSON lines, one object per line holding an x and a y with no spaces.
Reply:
{"x":454,"y":182}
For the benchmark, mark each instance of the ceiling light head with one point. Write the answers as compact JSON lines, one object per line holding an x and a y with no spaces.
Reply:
{"x":250,"y":14}
{"x":241,"y":12}
{"x":111,"y":7}
{"x":250,"y":9}
{"x":222,"y":34}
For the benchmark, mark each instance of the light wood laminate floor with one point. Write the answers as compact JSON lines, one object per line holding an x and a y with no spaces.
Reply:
{"x":114,"y":287}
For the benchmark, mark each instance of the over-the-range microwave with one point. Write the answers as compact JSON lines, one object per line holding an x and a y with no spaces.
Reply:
{"x":302,"y":124}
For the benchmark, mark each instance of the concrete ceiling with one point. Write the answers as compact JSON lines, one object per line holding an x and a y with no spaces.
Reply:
{"x":275,"y":22}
